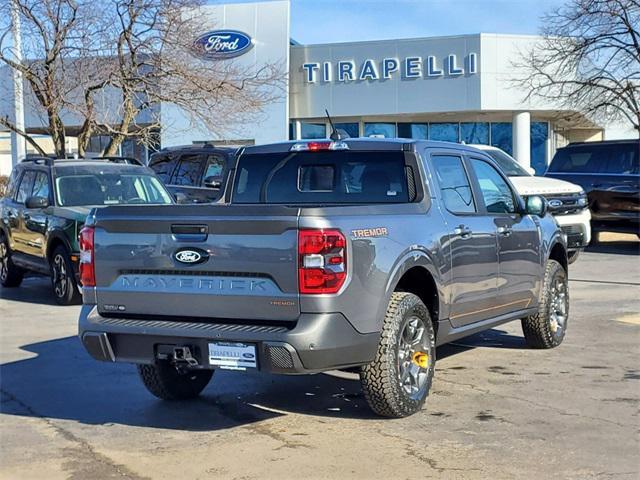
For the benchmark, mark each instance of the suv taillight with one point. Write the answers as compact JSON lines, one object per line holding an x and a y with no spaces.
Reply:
{"x":87,"y":267}
{"x":322,"y":260}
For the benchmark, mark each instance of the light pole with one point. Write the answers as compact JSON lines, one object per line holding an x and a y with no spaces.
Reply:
{"x":18,"y":144}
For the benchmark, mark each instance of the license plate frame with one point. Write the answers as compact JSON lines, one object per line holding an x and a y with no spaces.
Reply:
{"x":233,"y":355}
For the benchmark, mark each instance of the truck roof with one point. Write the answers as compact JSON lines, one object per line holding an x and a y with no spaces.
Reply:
{"x":391,"y":144}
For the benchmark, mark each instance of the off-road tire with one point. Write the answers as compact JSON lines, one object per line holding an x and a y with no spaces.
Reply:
{"x":69,"y":293}
{"x":573,"y":256}
{"x":537,"y":328}
{"x":165,"y":382}
{"x":10,"y":274}
{"x":380,"y":379}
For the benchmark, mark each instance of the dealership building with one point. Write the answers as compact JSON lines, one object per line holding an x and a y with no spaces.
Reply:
{"x":460,"y":88}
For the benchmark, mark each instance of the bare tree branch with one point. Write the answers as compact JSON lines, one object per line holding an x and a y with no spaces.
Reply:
{"x":588,"y":60}
{"x":5,"y":122}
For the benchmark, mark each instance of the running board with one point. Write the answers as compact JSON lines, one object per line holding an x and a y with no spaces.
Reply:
{"x":448,"y":333}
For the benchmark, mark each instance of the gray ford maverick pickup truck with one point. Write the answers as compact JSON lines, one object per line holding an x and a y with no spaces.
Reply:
{"x":357,"y":254}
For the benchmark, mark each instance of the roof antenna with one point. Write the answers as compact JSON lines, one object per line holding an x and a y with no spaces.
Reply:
{"x":336,"y":134}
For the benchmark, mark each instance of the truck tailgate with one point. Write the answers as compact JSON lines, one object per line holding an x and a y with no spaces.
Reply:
{"x":248,"y":269}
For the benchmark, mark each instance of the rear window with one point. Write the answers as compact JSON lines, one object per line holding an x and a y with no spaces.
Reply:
{"x":335,"y":177}
{"x":163,"y":166}
{"x":619,"y":159}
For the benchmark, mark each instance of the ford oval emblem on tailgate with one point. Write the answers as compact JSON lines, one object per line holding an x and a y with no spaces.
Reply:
{"x":191,"y":256}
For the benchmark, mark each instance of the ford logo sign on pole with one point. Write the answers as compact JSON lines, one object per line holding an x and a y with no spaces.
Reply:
{"x":221,"y":44}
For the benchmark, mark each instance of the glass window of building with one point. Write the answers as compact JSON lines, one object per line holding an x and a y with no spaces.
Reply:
{"x":539,"y":135}
{"x":475,"y":133}
{"x":418,"y":131}
{"x":386,"y":130}
{"x":444,"y":132}
{"x":292,"y":131}
{"x":313,"y":130}
{"x":352,"y":128}
{"x":502,"y":136}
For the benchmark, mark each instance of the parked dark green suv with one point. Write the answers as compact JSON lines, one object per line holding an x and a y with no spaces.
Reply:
{"x":45,"y":207}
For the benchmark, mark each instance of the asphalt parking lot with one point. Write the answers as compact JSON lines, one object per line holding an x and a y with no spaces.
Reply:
{"x":497,"y":409}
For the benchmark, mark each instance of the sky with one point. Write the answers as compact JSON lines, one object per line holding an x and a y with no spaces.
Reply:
{"x":326,"y":21}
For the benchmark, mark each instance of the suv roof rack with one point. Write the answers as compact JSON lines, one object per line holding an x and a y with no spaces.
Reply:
{"x":117,"y":159}
{"x":48,"y":161}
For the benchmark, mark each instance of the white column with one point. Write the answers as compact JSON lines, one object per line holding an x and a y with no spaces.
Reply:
{"x":522,"y":138}
{"x":297,"y":134}
{"x":18,"y":143}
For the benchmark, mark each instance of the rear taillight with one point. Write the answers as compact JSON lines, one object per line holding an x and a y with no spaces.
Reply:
{"x":322,"y":260}
{"x":87,"y":266}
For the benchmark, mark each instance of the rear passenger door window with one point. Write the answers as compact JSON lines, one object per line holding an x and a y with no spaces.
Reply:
{"x":496,"y":192}
{"x":26,"y":185}
{"x":188,"y":172}
{"x":454,"y":184}
{"x":163,"y":167}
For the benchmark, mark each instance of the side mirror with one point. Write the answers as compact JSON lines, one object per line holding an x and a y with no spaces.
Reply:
{"x":531,"y":170}
{"x":213,"y":182}
{"x":180,"y":197}
{"x":37,"y":202}
{"x":536,"y":205}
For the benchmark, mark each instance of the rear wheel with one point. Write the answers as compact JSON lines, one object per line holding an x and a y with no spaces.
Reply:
{"x":547,"y":328}
{"x":168,"y":383}
{"x":63,"y":280}
{"x":10,"y":274}
{"x":397,"y":382}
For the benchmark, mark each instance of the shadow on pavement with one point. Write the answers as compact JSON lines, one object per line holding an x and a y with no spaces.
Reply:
{"x":34,"y":290}
{"x":615,"y":247}
{"x":63,"y":382}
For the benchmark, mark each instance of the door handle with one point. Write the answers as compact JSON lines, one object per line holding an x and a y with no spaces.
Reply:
{"x":462,"y":231}
{"x":506,"y":231}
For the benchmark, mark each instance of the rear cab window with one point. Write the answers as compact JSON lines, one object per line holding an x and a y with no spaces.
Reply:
{"x":326,"y":177}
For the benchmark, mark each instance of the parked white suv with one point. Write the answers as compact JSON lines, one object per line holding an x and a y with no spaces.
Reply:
{"x":567,"y":201}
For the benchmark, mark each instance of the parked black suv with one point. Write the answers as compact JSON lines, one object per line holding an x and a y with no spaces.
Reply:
{"x":45,"y":207}
{"x":194,"y":173}
{"x":609,"y":172}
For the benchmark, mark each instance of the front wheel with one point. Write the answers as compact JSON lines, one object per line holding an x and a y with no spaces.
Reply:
{"x":573,"y":256}
{"x":396,"y":384}
{"x":168,"y":383}
{"x":547,"y":328}
{"x":63,"y":281}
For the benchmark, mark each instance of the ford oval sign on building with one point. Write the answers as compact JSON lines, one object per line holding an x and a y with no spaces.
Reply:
{"x":222,"y":44}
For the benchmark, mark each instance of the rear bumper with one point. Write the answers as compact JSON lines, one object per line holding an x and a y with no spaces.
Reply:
{"x":318,"y":342}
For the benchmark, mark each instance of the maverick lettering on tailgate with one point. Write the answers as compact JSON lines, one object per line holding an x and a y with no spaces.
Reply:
{"x":209,"y":284}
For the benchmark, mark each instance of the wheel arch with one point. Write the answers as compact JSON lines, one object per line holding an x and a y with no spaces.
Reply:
{"x":417,"y":273}
{"x":55,"y":240}
{"x":558,"y":252}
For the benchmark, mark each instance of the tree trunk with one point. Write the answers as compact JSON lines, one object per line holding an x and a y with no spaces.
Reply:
{"x":127,"y":118}
{"x":56,"y":129}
